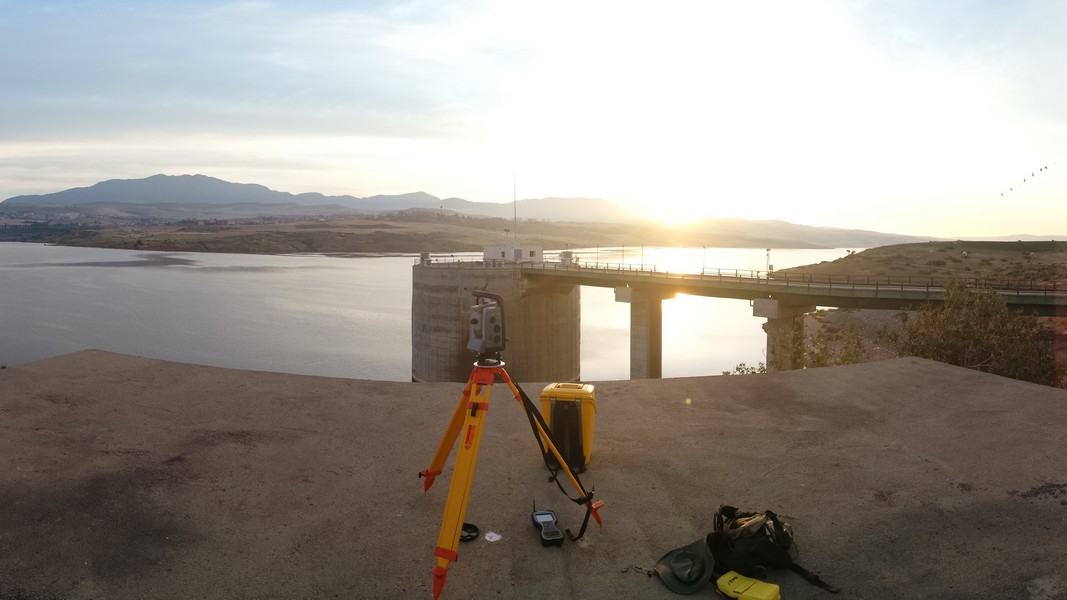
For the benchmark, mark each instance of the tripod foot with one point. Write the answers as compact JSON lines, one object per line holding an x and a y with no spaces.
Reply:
{"x":594,"y":508}
{"x":430,"y":476}
{"x":439,"y":575}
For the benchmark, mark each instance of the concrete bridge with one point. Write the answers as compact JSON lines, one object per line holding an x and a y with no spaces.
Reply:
{"x":842,"y":291}
{"x":779,"y":297}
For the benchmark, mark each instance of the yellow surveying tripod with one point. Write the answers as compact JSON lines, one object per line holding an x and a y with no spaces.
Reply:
{"x":487,"y":339}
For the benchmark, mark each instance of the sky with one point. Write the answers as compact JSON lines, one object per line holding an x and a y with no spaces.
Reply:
{"x":917,"y":117}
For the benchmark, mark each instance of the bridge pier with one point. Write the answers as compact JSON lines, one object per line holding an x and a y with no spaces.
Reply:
{"x":785,"y":331}
{"x":646,"y":329}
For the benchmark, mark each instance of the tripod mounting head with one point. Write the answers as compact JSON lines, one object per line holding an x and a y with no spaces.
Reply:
{"x":485,"y":328}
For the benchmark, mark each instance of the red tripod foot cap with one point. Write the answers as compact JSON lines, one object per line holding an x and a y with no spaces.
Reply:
{"x":595,"y":509}
{"x":439,"y":575}
{"x":430,"y":476}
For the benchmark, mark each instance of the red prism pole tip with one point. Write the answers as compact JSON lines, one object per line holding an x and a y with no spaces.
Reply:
{"x":439,"y":575}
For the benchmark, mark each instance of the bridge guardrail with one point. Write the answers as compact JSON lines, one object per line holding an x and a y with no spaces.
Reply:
{"x":808,"y":281}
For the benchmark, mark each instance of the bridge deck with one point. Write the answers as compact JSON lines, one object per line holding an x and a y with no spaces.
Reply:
{"x":1044,"y":298}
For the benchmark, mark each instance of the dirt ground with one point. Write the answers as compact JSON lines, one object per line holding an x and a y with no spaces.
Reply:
{"x":132,"y":478}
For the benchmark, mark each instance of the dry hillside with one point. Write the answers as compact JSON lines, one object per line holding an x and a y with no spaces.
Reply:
{"x":1037,"y":262}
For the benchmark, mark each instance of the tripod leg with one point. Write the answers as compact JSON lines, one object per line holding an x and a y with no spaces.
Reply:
{"x":586,"y":497}
{"x":449,"y":439}
{"x":548,"y":442}
{"x":462,"y":476}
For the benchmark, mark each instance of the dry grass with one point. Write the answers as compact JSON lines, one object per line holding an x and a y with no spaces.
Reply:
{"x":1037,"y":262}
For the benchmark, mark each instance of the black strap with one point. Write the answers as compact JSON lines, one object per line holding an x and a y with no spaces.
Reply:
{"x":724,"y":514}
{"x":585,"y":522}
{"x":536,"y":419}
{"x":812,"y":578}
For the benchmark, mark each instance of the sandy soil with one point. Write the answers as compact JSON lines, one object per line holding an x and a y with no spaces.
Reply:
{"x":130,"y":478}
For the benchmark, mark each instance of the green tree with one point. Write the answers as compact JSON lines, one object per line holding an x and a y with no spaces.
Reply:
{"x":974,"y":328}
{"x":744,"y":369}
{"x":830,"y":345}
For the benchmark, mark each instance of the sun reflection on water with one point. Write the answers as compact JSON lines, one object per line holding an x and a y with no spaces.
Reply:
{"x":701,"y":335}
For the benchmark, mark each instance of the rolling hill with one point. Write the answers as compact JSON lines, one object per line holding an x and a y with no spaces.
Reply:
{"x":174,"y":197}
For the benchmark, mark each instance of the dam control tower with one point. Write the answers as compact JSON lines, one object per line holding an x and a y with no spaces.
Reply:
{"x":543,"y":318}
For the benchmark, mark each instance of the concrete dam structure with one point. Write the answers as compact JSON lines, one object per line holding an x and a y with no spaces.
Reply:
{"x":543,"y":313}
{"x":543,"y":320}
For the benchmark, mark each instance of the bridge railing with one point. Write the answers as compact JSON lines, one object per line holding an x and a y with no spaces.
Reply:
{"x":811,"y":281}
{"x":1004,"y":286}
{"x":648,"y":269}
{"x":1028,"y":287}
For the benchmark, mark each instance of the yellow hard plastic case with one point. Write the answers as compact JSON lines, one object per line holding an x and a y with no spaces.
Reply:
{"x":584,"y":395}
{"x":735,"y":585}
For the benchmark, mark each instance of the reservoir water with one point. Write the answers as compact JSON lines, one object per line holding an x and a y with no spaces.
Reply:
{"x":333,"y":316}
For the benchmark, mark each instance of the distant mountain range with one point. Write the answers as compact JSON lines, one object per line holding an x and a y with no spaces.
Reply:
{"x":204,"y":190}
{"x":198,"y":196}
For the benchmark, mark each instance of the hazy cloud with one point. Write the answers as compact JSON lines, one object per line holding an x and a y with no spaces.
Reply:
{"x":830,"y":112}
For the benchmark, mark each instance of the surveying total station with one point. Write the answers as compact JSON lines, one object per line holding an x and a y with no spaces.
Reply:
{"x":487,"y":338}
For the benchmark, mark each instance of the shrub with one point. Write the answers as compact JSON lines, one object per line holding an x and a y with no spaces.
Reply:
{"x":974,"y":328}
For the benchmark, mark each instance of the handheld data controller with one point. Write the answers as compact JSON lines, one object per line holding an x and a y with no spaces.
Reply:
{"x":545,"y":520}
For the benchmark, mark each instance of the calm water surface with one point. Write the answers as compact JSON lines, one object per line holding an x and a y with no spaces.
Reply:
{"x":320,"y":315}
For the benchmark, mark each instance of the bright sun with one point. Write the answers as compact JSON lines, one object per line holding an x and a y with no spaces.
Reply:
{"x":663,"y":127}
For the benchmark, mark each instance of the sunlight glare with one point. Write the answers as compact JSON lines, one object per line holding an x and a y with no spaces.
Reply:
{"x":715,"y":137}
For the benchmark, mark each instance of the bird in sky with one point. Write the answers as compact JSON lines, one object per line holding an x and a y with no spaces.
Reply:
{"x":1032,"y":174}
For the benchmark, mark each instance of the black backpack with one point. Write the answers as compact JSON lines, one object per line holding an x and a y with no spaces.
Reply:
{"x":751,"y":543}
